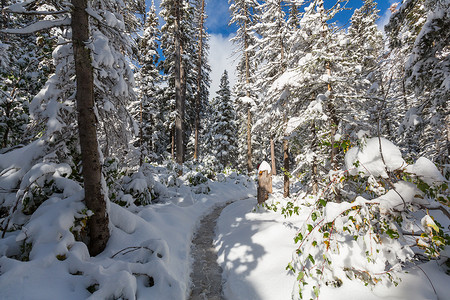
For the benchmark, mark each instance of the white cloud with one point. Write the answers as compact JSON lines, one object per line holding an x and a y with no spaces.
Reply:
{"x":384,"y":18}
{"x":220,"y":59}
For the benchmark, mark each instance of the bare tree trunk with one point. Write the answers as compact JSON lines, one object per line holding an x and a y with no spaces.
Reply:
{"x":141,"y":158}
{"x":286,"y":167}
{"x":249,"y":140}
{"x":285,"y":157}
{"x":249,"y":114}
{"x":272,"y":154}
{"x":178,"y":86}
{"x":199,"y":80}
{"x":315,"y":174}
{"x":172,"y":138}
{"x":98,"y":230}
{"x":333,"y":124}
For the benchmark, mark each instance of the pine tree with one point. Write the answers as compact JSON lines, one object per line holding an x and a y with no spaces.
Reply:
{"x":24,"y":68}
{"x":305,"y":94}
{"x":185,"y":112}
{"x":202,"y":69}
{"x":242,"y":14}
{"x":427,"y":72}
{"x":222,"y":140}
{"x":56,"y":151}
{"x":148,"y":110}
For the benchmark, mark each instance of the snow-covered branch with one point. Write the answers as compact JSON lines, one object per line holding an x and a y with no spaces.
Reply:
{"x":39,"y":26}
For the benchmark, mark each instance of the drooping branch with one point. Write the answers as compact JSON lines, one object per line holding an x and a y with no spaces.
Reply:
{"x":39,"y":26}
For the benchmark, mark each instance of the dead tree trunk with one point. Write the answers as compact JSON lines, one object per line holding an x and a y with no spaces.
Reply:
{"x":249,"y":114}
{"x":286,"y":167}
{"x":199,"y":80}
{"x":314,"y":168}
{"x":178,"y":86}
{"x":272,"y":154}
{"x":264,"y":186}
{"x":98,"y":230}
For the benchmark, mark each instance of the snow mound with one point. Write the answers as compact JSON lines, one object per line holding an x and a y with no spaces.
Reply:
{"x":368,"y":160}
{"x":264,"y":166}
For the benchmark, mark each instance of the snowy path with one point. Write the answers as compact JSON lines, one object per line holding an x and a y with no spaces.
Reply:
{"x":206,"y":274}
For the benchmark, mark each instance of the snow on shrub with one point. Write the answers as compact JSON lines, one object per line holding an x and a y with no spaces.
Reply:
{"x":383,"y":224}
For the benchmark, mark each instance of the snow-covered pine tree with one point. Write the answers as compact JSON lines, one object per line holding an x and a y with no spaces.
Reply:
{"x":148,"y":110}
{"x":428,"y":73}
{"x":187,"y":66}
{"x":405,"y":124}
{"x":114,"y":78}
{"x":25,"y":64}
{"x":300,"y":95}
{"x":202,"y":71}
{"x":222,"y":131}
{"x":242,"y":15}
{"x":271,"y":49}
{"x":51,"y":166}
{"x":360,"y":77}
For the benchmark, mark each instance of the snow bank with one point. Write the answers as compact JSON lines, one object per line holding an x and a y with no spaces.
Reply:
{"x":147,"y":255}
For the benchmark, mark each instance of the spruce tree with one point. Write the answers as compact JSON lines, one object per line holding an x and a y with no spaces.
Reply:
{"x":242,"y":14}
{"x":148,"y":109}
{"x":222,"y":140}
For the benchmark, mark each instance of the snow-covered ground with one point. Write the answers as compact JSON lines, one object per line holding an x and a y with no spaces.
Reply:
{"x":148,"y":254}
{"x":255,"y":246}
{"x":158,"y":267}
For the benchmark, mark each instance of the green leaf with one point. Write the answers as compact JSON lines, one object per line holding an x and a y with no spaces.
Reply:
{"x":300,"y":276}
{"x":314,"y":216}
{"x":298,"y":238}
{"x":316,"y":291}
{"x":322,"y":202}
{"x":289,"y":267}
{"x":311,"y":259}
{"x":310,"y":227}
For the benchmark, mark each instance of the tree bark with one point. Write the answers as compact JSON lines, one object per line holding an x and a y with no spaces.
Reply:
{"x":141,"y":136}
{"x":286,"y":167}
{"x":179,"y":138}
{"x":199,"y":80}
{"x":314,"y":172}
{"x":249,"y":140}
{"x":249,"y":114}
{"x":98,"y":231}
{"x":272,"y":154}
{"x":264,"y":186}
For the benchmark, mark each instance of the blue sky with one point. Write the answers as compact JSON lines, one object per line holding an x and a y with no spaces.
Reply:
{"x":218,"y":14}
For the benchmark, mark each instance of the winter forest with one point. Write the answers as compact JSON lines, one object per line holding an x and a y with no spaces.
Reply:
{"x":116,"y":155}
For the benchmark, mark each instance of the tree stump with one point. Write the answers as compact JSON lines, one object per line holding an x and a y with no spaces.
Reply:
{"x":264,"y":186}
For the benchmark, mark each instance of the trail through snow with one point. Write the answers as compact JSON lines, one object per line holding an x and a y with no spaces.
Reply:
{"x":206,"y":273}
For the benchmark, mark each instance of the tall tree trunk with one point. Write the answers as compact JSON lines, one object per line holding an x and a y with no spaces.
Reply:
{"x":314,"y":169}
{"x":333,"y":124}
{"x":172,"y":139}
{"x":98,"y":230}
{"x":286,"y":167}
{"x":249,"y":113}
{"x":141,"y":135}
{"x":272,"y":155}
{"x":249,"y":140}
{"x":199,"y":80}
{"x":178,"y":86}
